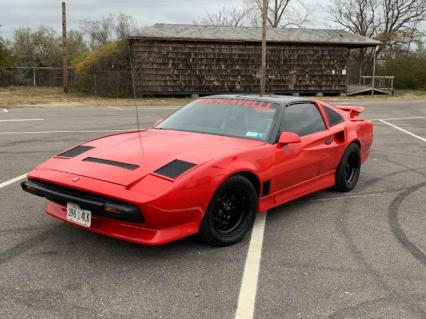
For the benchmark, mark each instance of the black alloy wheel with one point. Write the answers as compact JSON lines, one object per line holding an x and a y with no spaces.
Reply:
{"x":231,"y":212}
{"x":349,"y":168}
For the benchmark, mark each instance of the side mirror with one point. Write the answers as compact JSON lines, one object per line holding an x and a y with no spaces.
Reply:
{"x":289,"y":138}
{"x":158,"y":122}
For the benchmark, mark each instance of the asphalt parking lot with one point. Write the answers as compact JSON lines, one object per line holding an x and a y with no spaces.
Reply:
{"x":327,"y":255}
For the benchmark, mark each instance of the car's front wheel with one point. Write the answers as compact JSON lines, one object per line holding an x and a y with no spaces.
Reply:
{"x":231,"y":212}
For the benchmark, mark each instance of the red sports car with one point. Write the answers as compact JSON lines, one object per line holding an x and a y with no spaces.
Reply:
{"x":207,"y":169}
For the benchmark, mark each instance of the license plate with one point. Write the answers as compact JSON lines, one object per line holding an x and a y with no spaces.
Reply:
{"x":78,"y":216}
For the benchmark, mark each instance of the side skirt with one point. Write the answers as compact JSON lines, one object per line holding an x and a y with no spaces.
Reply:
{"x":297,"y":191}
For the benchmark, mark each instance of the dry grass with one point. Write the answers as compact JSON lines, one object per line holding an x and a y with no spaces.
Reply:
{"x":398,"y":95}
{"x":50,"y":97}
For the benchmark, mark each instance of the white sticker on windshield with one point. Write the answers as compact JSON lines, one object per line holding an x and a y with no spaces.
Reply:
{"x":255,"y":135}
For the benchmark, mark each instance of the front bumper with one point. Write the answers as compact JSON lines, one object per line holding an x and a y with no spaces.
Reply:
{"x":123,"y":230}
{"x":158,"y":221}
{"x":98,"y":205}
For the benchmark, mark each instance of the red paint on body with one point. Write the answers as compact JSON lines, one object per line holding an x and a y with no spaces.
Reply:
{"x":173,"y":209}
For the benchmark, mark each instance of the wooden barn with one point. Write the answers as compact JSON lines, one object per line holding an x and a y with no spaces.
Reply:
{"x":197,"y":59}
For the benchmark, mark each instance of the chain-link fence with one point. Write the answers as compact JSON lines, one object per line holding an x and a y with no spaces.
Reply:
{"x":120,"y":83}
{"x":31,"y":76}
{"x":113,"y":84}
{"x":99,"y":83}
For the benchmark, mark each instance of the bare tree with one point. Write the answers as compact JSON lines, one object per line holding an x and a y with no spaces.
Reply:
{"x":108,"y":29}
{"x":99,"y":32}
{"x":125,"y":26}
{"x":394,"y":22}
{"x":281,"y":13}
{"x":76,"y":44}
{"x":225,"y":17}
{"x":276,"y":9}
{"x":401,"y":20}
{"x":298,"y":17}
{"x":357,"y":16}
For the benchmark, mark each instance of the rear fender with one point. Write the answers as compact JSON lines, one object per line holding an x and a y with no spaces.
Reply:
{"x":362,"y":132}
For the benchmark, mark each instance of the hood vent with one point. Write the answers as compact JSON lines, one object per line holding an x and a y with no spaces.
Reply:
{"x":131,"y":167}
{"x":174,"y":169}
{"x":76,"y":151}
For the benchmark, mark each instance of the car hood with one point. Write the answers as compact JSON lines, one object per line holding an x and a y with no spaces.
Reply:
{"x":146,"y":152}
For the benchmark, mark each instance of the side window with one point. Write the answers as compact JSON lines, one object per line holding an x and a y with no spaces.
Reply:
{"x":302,"y":119}
{"x":333,"y":117}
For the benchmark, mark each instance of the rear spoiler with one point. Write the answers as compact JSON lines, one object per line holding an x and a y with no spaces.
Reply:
{"x":353,"y":111}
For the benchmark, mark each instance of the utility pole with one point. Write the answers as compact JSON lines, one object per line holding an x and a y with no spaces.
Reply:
{"x":65,"y":46}
{"x":263,"y":66}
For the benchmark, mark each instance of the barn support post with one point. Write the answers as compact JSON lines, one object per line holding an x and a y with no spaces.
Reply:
{"x":347,"y":71}
{"x":263,"y":66}
{"x":373,"y":83}
{"x":361,"y":64}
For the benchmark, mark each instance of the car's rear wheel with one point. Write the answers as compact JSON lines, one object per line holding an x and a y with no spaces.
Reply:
{"x":231,"y":212}
{"x":349,"y":168}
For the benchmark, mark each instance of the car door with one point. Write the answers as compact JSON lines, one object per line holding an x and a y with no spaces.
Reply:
{"x":301,"y":162}
{"x":335,"y":139}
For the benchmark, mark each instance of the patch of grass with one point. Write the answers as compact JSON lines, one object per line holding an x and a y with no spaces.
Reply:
{"x":398,"y":95}
{"x":48,"y":96}
{"x":415,"y":93}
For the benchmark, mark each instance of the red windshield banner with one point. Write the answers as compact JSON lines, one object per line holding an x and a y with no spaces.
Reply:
{"x":262,"y":106}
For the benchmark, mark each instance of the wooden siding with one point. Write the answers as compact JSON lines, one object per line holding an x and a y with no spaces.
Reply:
{"x":169,"y":67}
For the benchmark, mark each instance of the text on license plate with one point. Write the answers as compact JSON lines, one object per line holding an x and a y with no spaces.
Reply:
{"x":79,"y":216}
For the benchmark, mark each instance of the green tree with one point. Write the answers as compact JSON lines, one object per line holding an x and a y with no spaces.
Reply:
{"x":5,"y":56}
{"x":37,"y":48}
{"x":77,"y":46}
{"x":43,"y":47}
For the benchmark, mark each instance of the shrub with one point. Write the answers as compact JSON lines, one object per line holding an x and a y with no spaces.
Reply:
{"x":409,"y":70}
{"x":94,"y":71}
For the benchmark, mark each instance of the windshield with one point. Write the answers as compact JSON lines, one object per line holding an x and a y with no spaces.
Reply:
{"x":230,"y":117}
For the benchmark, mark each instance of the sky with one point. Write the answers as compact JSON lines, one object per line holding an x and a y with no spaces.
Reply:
{"x":34,"y":13}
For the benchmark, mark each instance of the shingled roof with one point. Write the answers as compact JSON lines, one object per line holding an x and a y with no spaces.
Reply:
{"x":191,"y":32}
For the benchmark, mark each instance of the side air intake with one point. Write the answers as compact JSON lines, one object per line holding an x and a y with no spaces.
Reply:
{"x":76,"y":151}
{"x":174,"y":169}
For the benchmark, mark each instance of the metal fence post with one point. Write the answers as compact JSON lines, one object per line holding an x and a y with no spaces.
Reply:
{"x":34,"y":78}
{"x":96,"y":87}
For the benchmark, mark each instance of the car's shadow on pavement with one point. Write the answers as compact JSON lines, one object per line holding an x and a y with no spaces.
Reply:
{"x":67,"y":241}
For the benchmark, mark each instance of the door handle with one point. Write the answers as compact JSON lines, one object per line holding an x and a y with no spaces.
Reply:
{"x":328,"y":141}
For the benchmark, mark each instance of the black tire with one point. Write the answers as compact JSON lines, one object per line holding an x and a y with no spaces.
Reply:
{"x":231,"y":212}
{"x":347,"y":172}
